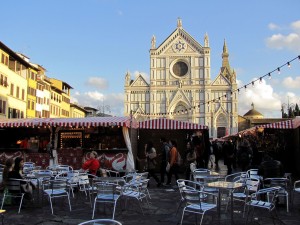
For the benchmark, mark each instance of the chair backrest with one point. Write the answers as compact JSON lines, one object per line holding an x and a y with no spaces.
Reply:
{"x":194,"y":197}
{"x":235,"y":176}
{"x":252,"y":173}
{"x":14,"y":185}
{"x":283,"y":182}
{"x":106,"y":191}
{"x":63,"y":168}
{"x":266,"y":194}
{"x":42,"y":173}
{"x":58,"y":184}
{"x":101,"y":221}
{"x":252,"y":184}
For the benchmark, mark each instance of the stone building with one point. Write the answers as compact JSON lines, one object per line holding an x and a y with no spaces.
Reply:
{"x":181,"y":86}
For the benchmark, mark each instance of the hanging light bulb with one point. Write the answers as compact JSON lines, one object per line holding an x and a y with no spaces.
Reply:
{"x":238,"y":91}
{"x":245,"y":86}
{"x":299,"y":57}
{"x":278,"y":69}
{"x":231,"y":94}
{"x":252,"y":83}
{"x":260,"y":80}
{"x":270,"y":76}
{"x":289,"y":64}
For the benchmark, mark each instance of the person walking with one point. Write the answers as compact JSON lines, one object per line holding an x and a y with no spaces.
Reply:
{"x":164,"y":158}
{"x":150,"y":154}
{"x":173,"y":157}
{"x":190,"y":157}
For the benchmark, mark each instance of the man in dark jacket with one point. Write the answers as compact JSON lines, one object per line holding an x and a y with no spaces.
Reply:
{"x":270,"y":168}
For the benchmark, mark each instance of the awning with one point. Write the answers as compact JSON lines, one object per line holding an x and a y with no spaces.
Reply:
{"x":71,"y":122}
{"x":287,"y":124}
{"x":168,"y":124}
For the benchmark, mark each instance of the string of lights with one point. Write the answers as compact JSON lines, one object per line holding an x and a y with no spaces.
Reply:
{"x":268,"y":75}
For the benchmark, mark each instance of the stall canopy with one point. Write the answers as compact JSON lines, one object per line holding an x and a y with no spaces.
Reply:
{"x":168,"y":124}
{"x":124,"y":122}
{"x":287,"y":124}
{"x":70,"y":122}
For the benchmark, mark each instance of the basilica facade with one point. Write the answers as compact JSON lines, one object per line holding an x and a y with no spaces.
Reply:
{"x":181,"y":86}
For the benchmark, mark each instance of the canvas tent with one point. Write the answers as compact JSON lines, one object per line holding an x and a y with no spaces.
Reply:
{"x":126,"y":123}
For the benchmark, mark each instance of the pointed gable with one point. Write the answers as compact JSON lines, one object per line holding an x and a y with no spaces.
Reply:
{"x":179,"y":42}
{"x":139,"y":82}
{"x":220,"y":80}
{"x":180,"y":96}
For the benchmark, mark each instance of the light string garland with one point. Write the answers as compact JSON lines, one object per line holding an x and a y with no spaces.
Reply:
{"x":238,"y":90}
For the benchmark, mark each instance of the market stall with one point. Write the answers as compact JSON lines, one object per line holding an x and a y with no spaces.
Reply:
{"x":279,"y":140}
{"x":72,"y":139}
{"x":170,"y":129}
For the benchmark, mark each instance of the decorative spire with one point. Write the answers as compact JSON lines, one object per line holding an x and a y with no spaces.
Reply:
{"x":179,"y":23}
{"x":225,"y":55}
{"x":206,"y":40}
{"x":225,"y":47}
{"x":153,"y":42}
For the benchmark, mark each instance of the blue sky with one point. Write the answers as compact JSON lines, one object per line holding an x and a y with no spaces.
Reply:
{"x":91,"y":44}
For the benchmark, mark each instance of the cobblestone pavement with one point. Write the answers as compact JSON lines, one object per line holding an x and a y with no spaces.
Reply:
{"x":163,"y":205}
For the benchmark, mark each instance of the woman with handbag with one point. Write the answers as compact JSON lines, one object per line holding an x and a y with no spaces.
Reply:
{"x":190,"y":158}
{"x":173,"y":157}
{"x":17,"y":173}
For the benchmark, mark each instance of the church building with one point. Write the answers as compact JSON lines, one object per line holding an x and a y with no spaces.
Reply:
{"x":181,"y":86}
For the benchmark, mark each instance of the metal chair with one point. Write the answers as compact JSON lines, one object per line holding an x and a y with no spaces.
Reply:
{"x":106,"y":193}
{"x":185,"y":185}
{"x":296,"y":189}
{"x":136,"y":190}
{"x":14,"y":190}
{"x":56,"y":189}
{"x":244,"y":194}
{"x":101,"y":221}
{"x":284,"y":184}
{"x":264,"y":199}
{"x":197,"y":202}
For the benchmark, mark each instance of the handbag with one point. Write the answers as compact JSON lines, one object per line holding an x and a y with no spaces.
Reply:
{"x":27,"y":188}
{"x":168,"y":167}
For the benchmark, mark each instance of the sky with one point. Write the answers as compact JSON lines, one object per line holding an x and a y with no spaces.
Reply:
{"x":91,"y":44}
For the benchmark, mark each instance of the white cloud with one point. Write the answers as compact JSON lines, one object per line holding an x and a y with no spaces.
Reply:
{"x":273,"y":26}
{"x":290,"y":82}
{"x":290,"y":41}
{"x":97,"y":82}
{"x":112,"y":103}
{"x":263,"y":97}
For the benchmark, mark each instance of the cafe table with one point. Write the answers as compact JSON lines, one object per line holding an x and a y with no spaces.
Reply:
{"x":225,"y":185}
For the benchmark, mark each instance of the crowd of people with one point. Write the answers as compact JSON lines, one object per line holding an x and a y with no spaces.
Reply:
{"x":237,"y":155}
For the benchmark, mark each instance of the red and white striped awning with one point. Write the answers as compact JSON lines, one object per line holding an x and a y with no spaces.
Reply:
{"x":168,"y":124}
{"x":71,"y":122}
{"x":287,"y":124}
